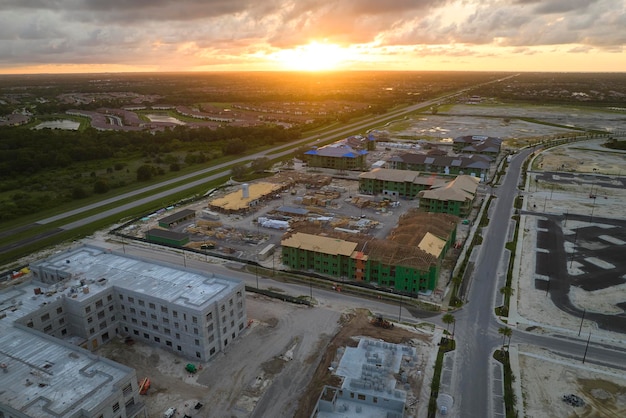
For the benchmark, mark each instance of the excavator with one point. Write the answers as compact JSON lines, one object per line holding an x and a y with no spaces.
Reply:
{"x":379,"y":321}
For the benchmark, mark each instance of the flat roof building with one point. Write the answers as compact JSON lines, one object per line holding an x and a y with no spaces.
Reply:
{"x":369,"y":387}
{"x":45,"y":377}
{"x":82,"y":298}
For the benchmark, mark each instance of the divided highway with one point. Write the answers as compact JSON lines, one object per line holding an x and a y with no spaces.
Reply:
{"x":272,"y":153}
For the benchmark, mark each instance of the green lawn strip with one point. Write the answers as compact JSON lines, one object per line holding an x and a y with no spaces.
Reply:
{"x":75,"y":204}
{"x":509,"y":378}
{"x":136,"y":211}
{"x":445,"y":346}
{"x":86,"y":230}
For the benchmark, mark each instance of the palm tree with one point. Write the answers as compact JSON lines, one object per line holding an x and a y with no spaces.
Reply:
{"x":506,"y":332}
{"x":507,"y":291}
{"x":448,"y":319}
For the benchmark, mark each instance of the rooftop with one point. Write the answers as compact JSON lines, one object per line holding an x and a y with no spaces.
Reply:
{"x":104,"y":269}
{"x":236,"y":201}
{"x":400,"y":176}
{"x":43,"y":376}
{"x":413,"y":243}
{"x":369,"y":370}
{"x":336,"y":150}
{"x":460,"y":189}
{"x":320,"y":244}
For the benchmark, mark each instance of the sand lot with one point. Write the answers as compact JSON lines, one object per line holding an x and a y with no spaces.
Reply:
{"x":545,"y":377}
{"x":557,"y":198}
{"x":281,"y":346}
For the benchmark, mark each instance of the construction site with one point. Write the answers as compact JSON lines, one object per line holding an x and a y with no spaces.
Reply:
{"x":250,"y":221}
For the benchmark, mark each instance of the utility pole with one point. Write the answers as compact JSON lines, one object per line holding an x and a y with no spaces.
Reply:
{"x":581,"y":322}
{"x":586,"y":347}
{"x":593,"y":206}
{"x":573,"y":249}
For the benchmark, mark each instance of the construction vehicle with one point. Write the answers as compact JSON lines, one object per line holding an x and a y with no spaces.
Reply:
{"x":379,"y":321}
{"x":144,"y":385}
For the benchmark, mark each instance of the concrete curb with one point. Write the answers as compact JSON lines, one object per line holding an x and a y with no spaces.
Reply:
{"x":517,"y":383}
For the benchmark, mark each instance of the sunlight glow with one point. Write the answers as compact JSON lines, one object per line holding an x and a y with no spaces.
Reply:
{"x":312,"y":57}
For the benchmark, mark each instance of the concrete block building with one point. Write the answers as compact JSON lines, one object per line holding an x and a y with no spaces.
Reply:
{"x":82,"y":298}
{"x":369,"y":388}
{"x":193,"y":314}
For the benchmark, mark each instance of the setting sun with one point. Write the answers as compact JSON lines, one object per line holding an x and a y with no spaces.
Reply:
{"x":314,"y":56}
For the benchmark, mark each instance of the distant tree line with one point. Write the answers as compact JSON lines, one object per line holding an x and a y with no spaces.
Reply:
{"x":41,"y":169}
{"x":26,"y":151}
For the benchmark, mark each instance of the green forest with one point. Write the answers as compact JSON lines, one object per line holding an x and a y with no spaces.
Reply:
{"x":41,"y":169}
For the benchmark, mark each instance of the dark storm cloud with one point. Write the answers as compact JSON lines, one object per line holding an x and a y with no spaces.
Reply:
{"x":558,"y":6}
{"x":119,"y":11}
{"x":131,"y":31}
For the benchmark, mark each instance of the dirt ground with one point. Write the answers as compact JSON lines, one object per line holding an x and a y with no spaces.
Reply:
{"x":278,"y":368}
{"x":543,"y":197}
{"x":357,"y":324}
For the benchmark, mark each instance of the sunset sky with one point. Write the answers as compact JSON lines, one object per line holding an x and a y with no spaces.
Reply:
{"x":62,"y":36}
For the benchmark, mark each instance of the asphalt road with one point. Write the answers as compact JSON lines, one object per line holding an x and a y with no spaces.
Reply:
{"x":476,"y":326}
